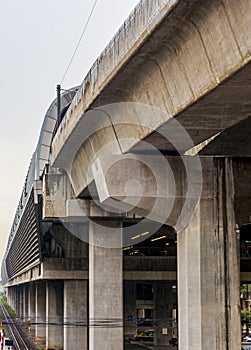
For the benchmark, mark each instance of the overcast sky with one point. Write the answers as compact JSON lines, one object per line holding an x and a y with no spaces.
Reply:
{"x":38,"y":39}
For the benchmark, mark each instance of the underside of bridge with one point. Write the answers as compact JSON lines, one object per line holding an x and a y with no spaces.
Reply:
{"x":140,"y":217}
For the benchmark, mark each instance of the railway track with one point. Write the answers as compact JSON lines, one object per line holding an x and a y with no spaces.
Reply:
{"x":14,"y":331}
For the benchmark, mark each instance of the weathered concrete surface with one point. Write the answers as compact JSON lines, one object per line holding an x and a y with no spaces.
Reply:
{"x":208,"y":268}
{"x":178,"y":65}
{"x":40,"y":309}
{"x":25,"y":302}
{"x":206,"y":92}
{"x":155,"y":187}
{"x":105,"y":287}
{"x":75,"y":315}
{"x":31,"y":303}
{"x":54,"y":195}
{"x":18,"y":300}
{"x":54,"y":315}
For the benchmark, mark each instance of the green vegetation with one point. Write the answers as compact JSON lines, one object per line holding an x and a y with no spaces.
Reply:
{"x":245,"y":287}
{"x":246,"y":316}
{"x":4,"y":301}
{"x":40,"y":343}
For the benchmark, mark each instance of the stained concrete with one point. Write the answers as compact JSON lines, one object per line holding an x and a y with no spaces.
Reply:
{"x":54,"y":315}
{"x":207,"y":93}
{"x":40,"y":309}
{"x":208,"y":269}
{"x":105,"y":287}
{"x":76,"y":314}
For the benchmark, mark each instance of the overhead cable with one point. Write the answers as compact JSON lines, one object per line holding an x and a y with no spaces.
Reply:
{"x":80,"y":39}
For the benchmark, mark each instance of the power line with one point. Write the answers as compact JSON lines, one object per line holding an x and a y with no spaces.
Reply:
{"x":77,"y":46}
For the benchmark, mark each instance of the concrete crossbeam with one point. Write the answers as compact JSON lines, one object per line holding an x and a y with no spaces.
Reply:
{"x":155,"y":187}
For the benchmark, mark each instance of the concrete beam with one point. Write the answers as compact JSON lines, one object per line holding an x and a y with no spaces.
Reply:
{"x":126,"y":43}
{"x":166,"y":73}
{"x":60,"y":202}
{"x":48,"y":269}
{"x":159,"y":188}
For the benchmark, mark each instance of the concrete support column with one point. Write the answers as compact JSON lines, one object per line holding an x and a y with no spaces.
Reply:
{"x":208,"y":267}
{"x":54,"y":315}
{"x":17,"y":300}
{"x":105,"y":287}
{"x":25,"y":302}
{"x":10,"y":296}
{"x":75,"y":314}
{"x":21,"y":298}
{"x":40,"y":310}
{"x":31,"y":303}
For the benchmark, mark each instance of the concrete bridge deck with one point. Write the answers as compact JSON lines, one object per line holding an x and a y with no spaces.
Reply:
{"x":152,"y":155}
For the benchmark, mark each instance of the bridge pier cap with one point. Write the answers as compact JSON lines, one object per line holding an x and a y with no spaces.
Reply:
{"x":107,"y":159}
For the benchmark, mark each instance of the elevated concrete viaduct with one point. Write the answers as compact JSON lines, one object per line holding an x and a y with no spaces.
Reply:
{"x":144,"y":189}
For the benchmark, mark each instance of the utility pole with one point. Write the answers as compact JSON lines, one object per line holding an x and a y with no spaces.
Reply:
{"x":58,"y":104}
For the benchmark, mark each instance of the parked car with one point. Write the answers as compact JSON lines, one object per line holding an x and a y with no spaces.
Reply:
{"x":144,"y":336}
{"x":246,"y":338}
